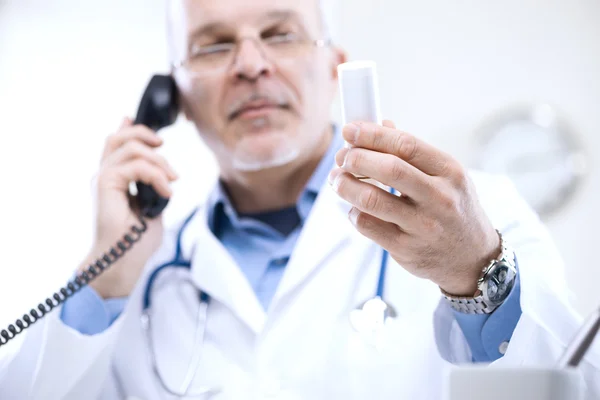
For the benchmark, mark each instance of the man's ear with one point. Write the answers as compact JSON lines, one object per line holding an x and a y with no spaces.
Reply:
{"x":339,"y":56}
{"x":183,"y":106}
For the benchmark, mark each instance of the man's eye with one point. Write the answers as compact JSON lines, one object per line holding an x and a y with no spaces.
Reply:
{"x":280,"y":37}
{"x":211,"y":49}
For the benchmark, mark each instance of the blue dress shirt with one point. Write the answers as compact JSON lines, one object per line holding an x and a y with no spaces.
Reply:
{"x":262,"y":244}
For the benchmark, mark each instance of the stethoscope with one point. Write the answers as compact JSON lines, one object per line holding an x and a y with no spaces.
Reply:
{"x":178,"y":262}
{"x":367,"y":319}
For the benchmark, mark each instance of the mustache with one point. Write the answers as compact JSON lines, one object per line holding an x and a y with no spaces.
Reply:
{"x":254,"y":98}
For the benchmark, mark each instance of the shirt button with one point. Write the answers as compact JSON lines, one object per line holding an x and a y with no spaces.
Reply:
{"x":503,"y":347}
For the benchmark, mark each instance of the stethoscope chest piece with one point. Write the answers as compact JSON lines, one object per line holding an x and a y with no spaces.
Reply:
{"x":370,"y":318}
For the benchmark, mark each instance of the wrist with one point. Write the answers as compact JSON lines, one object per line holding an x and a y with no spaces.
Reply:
{"x":105,"y":285}
{"x":466,"y":282}
{"x":108,"y":288}
{"x":467,"y":287}
{"x":111,"y":282}
{"x":496,"y":281}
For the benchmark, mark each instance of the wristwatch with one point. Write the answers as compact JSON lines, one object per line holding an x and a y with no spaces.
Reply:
{"x":493,"y":287}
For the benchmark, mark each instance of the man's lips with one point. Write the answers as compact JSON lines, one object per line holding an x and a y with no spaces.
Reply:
{"x":257,"y":110}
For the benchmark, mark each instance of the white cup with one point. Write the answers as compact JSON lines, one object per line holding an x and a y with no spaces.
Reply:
{"x":524,"y":383}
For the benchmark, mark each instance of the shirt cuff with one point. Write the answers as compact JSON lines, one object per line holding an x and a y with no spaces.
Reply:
{"x":489,"y":334}
{"x":88,"y":313}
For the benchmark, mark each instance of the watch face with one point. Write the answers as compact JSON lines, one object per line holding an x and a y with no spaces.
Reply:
{"x":499,"y":283}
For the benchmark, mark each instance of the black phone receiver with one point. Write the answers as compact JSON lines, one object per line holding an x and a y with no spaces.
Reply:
{"x":158,"y":109}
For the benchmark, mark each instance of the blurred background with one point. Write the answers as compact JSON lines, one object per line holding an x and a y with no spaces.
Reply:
{"x":71,"y":70}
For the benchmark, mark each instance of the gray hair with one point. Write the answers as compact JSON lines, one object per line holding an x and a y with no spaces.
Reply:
{"x":326,"y":9}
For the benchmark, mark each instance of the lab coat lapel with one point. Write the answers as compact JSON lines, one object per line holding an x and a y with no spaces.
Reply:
{"x":215,"y":272}
{"x":326,"y":231}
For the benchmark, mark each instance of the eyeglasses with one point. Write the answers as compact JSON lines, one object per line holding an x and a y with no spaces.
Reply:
{"x":275,"y":47}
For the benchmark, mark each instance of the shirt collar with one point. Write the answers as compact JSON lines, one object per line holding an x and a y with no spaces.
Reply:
{"x":219,"y":203}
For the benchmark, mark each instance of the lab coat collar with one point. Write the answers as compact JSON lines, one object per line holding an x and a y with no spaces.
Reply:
{"x":324,"y":232}
{"x":215,"y":272}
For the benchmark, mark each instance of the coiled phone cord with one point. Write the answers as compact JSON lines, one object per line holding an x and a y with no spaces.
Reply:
{"x":84,"y":278}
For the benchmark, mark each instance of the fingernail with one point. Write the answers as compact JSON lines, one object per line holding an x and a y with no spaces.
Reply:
{"x":353,"y":215}
{"x":340,"y":158}
{"x":345,"y":159}
{"x":333,"y":178}
{"x":351,"y":132}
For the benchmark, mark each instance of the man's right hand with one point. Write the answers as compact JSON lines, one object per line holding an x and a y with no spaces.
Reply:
{"x":129,"y":156}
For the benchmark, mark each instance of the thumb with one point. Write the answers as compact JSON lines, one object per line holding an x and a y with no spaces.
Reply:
{"x":388,"y":124}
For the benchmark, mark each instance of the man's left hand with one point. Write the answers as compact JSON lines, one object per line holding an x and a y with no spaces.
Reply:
{"x":436,"y":229}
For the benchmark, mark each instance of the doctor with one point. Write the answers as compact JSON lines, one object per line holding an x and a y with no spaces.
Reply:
{"x":260,"y":287}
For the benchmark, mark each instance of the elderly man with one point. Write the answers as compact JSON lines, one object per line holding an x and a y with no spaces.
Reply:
{"x":273,"y":265}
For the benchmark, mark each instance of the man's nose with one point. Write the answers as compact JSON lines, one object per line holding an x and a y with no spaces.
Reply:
{"x":251,"y":62}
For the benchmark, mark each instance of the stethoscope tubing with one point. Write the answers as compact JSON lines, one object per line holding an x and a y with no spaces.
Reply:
{"x":179,"y":262}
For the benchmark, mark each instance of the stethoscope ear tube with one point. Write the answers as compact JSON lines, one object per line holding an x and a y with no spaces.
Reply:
{"x":201,"y":322}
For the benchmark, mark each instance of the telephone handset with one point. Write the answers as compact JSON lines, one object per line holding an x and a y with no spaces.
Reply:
{"x":158,"y":108}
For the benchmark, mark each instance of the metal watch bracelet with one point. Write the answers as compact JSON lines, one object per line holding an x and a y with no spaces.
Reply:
{"x":477,"y":303}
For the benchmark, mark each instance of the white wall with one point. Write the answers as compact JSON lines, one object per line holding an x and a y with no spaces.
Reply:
{"x":70,"y":70}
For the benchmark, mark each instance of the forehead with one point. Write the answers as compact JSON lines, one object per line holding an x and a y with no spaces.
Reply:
{"x":191,"y":15}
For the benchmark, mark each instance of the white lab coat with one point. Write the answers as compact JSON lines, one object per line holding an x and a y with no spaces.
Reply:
{"x":302,"y":348}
